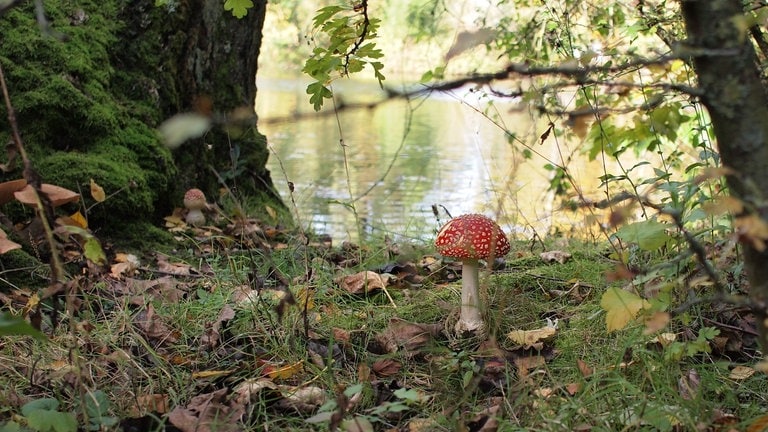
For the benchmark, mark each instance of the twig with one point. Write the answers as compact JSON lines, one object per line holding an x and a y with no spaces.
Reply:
{"x":363,"y":6}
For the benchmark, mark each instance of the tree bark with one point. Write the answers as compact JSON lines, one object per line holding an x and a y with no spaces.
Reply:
{"x":736,"y":99}
{"x":194,"y":55}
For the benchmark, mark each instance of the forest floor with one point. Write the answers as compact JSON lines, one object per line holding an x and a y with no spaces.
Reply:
{"x":253,"y":327}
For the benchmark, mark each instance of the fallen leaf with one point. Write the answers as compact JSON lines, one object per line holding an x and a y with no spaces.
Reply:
{"x":527,"y":338}
{"x":739,"y":373}
{"x":360,"y":283}
{"x":759,"y":424}
{"x":525,"y":364}
{"x":555,"y":256}
{"x":153,"y":327}
{"x":207,"y":413}
{"x":283,"y":372}
{"x":152,"y":403}
{"x":210,"y":338}
{"x":688,"y":385}
{"x":657,"y":321}
{"x":407,"y":336}
{"x":621,"y":306}
{"x":178,"y":269}
{"x":584,"y":368}
{"x":212,"y":373}
{"x":97,"y":192}
{"x":386,"y":367}
{"x":7,"y":245}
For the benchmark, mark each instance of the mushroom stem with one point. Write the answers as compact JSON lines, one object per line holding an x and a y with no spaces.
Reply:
{"x":471,"y":318}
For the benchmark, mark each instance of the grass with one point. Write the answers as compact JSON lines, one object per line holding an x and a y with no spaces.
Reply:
{"x":156,"y":347}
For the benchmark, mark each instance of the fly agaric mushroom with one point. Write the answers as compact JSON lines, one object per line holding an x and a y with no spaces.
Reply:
{"x":470,"y":238}
{"x":194,"y":201}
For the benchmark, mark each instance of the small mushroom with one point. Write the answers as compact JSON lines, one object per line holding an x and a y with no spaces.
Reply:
{"x":470,"y":238}
{"x":194,"y":201}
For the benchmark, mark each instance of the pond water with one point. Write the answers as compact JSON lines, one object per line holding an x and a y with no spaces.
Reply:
{"x":380,"y":171}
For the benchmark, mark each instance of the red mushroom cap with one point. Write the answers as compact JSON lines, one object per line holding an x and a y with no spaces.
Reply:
{"x":194,"y":199}
{"x":471,"y":236}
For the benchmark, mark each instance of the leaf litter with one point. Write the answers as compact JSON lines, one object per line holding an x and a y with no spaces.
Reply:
{"x":177,"y":321}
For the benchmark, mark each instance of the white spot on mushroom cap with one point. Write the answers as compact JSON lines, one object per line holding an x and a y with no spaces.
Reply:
{"x":471,"y":237}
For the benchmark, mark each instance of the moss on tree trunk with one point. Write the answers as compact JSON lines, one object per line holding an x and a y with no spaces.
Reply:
{"x":88,"y":104}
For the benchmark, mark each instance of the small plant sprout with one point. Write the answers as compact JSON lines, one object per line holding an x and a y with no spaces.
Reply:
{"x":194,"y":202}
{"x":470,"y":238}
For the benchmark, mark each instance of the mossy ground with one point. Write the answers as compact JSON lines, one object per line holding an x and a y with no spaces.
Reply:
{"x":583,"y":379}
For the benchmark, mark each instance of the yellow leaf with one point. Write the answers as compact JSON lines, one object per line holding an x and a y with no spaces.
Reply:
{"x":211,"y":373}
{"x":529,"y":337}
{"x":97,"y":192}
{"x":272,"y":213}
{"x":723,"y":204}
{"x":739,"y":373}
{"x":285,"y":372}
{"x":79,"y":219}
{"x":622,"y":307}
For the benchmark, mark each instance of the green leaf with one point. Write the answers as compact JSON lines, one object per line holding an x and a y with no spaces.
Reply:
{"x":46,"y":404}
{"x":648,"y":235}
{"x":318,"y":92}
{"x":93,"y":251}
{"x":11,"y":325}
{"x":239,"y":8}
{"x":324,"y":14}
{"x":51,"y":421}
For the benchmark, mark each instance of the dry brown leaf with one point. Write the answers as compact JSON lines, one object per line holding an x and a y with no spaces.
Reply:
{"x":57,"y":195}
{"x":759,"y":424}
{"x":165,"y":288}
{"x":207,"y":413}
{"x":688,"y":385}
{"x":753,"y":230}
{"x":584,"y":368}
{"x":525,"y":364}
{"x":723,"y":204}
{"x":303,"y":399}
{"x":152,"y":403}
{"x":407,"y":336}
{"x":739,"y":373}
{"x":178,"y":269}
{"x":361,"y":283}
{"x":8,"y":188}
{"x":386,"y":367}
{"x":656,"y":322}
{"x":555,"y":256}
{"x":153,"y":327}
{"x":210,"y":338}
{"x":572,"y":388}
{"x":7,"y":245}
{"x":527,"y":338}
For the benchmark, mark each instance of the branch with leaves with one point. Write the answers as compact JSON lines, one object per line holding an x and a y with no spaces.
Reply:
{"x":349,"y":48}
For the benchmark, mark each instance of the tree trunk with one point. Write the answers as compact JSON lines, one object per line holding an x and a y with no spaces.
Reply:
{"x":90,"y":92}
{"x":736,"y":99}
{"x":197,"y":56}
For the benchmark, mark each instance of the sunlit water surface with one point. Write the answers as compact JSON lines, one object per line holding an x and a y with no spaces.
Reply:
{"x":379,"y":171}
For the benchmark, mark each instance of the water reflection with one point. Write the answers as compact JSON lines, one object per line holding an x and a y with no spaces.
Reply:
{"x":392,"y":163}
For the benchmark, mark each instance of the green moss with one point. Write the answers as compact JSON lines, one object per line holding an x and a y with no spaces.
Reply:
{"x":22,"y":270}
{"x":74,"y":124}
{"x":113,"y":170}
